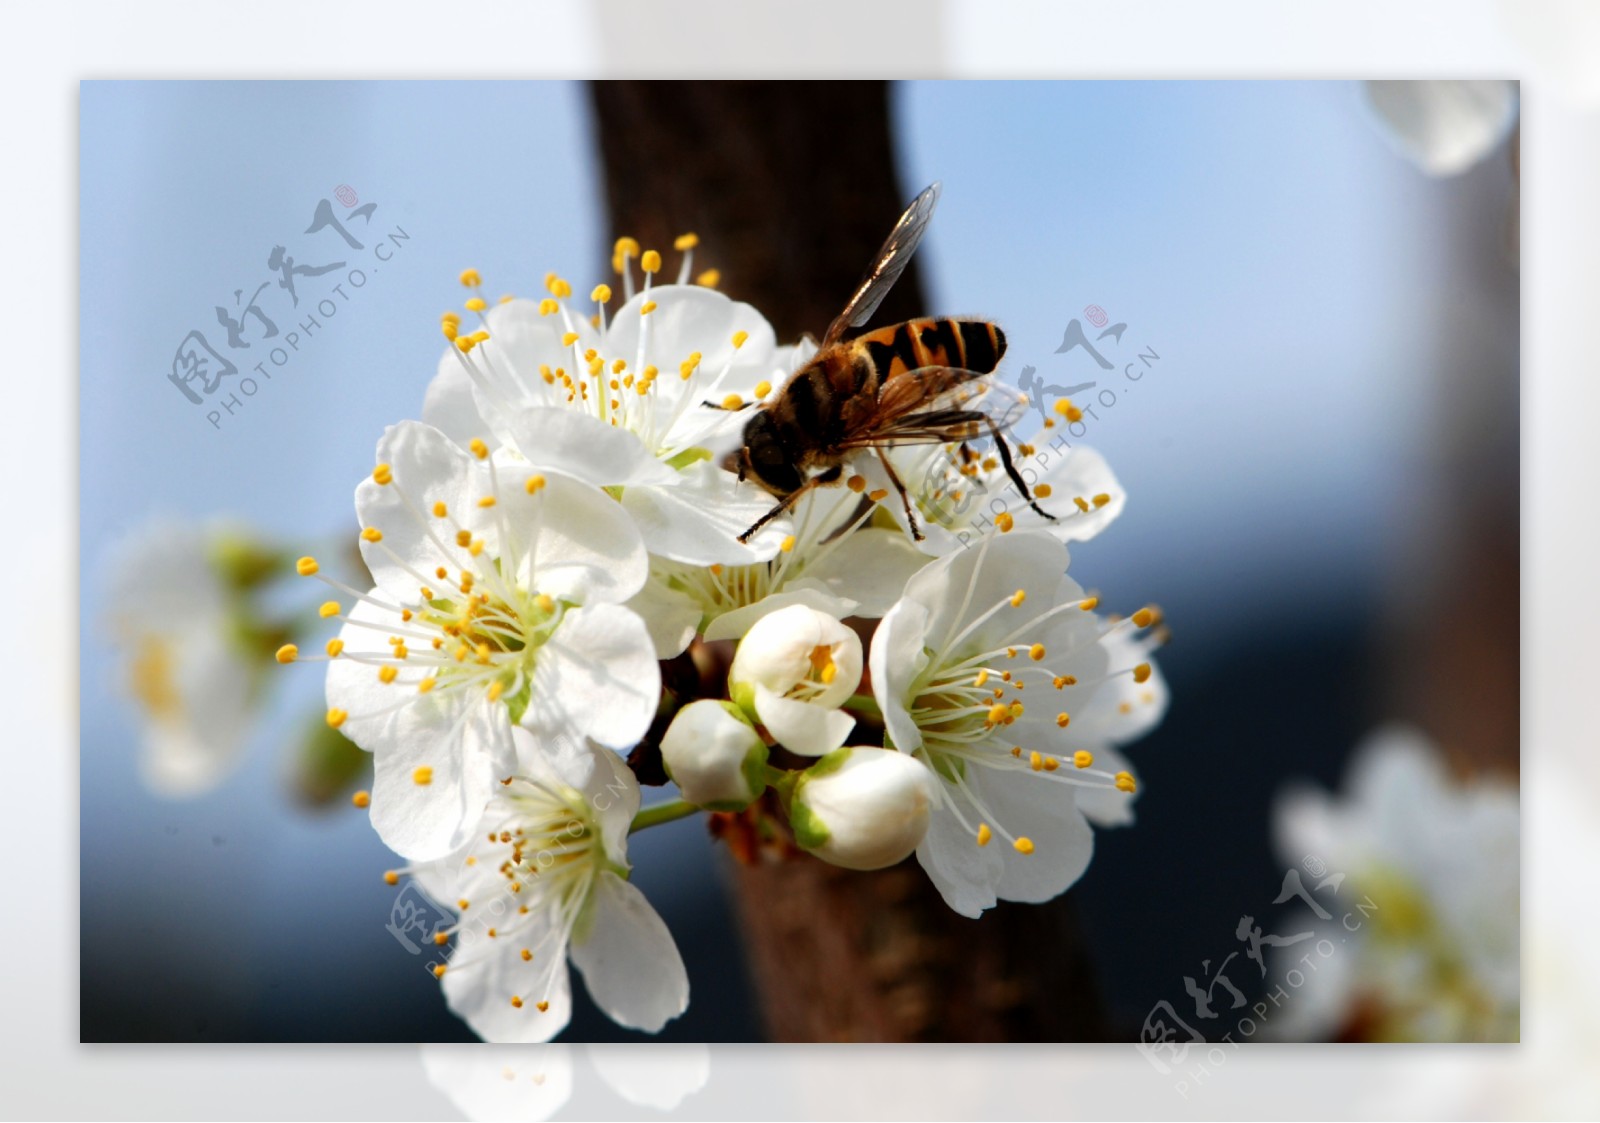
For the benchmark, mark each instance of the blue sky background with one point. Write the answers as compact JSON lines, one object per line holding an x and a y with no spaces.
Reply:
{"x":1337,"y":334}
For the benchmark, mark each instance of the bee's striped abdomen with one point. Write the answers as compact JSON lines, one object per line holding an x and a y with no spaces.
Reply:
{"x":965,"y":344}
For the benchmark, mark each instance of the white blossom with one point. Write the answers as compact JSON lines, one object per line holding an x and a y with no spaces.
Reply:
{"x":497,"y":603}
{"x":714,"y":755}
{"x":792,"y":671}
{"x":862,"y":808}
{"x":544,"y":877}
{"x":995,"y":672}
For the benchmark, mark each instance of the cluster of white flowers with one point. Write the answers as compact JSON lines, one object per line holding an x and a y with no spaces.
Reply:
{"x":559,"y":527}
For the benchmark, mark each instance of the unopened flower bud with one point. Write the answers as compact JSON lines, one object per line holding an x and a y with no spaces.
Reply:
{"x":862,"y":808}
{"x":792,"y":672}
{"x":714,"y":756}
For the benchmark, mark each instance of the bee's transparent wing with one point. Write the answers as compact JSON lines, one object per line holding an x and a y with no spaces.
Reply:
{"x":886,"y":268}
{"x":935,"y":405}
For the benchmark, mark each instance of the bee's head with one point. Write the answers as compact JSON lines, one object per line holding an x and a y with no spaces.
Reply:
{"x":764,"y":458}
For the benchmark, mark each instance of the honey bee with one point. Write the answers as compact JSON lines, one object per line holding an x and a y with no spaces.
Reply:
{"x":924,"y":381}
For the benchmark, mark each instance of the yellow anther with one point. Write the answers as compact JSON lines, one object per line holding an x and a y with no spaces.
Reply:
{"x":1083,"y":758}
{"x":1016,"y":751}
{"x":470,"y":278}
{"x":763,"y":388}
{"x":1125,"y":782}
{"x":548,"y":307}
{"x":1011,"y":653}
{"x":463,"y":539}
{"x":1101,"y":500}
{"x":990,"y":463}
{"x":334,"y":648}
{"x":1089,"y":604}
{"x":427,"y":593}
{"x":329,"y":608}
{"x":496,"y":688}
{"x":401,"y":651}
{"x":336,"y":717}
{"x":305,"y":567}
{"x":624,"y":247}
{"x":787,"y":545}
{"x":1036,"y":652}
{"x":1023,"y":845}
{"x":1004,"y":521}
{"x":1017,"y":710}
{"x":857,"y":484}
{"x":983,"y":677}
{"x":600,"y":293}
{"x":288,"y":653}
{"x":526,"y":955}
{"x":465,"y":344}
{"x":391,"y":877}
{"x":1141,"y":673}
{"x":441,"y":938}
{"x":710,"y":279}
{"x":438,"y":972}
{"x":1018,"y":597}
{"x":476,"y":304}
{"x":1081,"y":502}
{"x":449,"y":330}
{"x":440,"y":572}
{"x":450,"y":317}
{"x":739,"y":338}
{"x":427,"y":684}
{"x":387,"y":675}
{"x":534,"y":484}
{"x":1144,"y":618}
{"x":685,"y":242}
{"x":1051,"y":764}
{"x":546,"y":602}
{"x":998,"y":713}
{"x":569,"y":339}
{"x":486,"y":501}
{"x":372,"y":534}
{"x":878,"y":495}
{"x":984,"y":834}
{"x":383,"y":475}
{"x":361,"y":799}
{"x":647,"y":307}
{"x":541,"y":1006}
{"x":1036,"y":760}
{"x":732,"y":401}
{"x":479,"y":449}
{"x":1062,"y":406}
{"x":467,"y":581}
{"x":650,"y":261}
{"x":422,"y":775}
{"x":1063,"y":719}
{"x":440,"y":510}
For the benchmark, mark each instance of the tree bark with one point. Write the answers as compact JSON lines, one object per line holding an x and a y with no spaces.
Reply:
{"x":791,"y":188}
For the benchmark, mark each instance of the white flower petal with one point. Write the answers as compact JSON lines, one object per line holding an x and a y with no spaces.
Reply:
{"x":490,"y":1082}
{"x":427,"y":467}
{"x":802,"y":727}
{"x":870,"y":567}
{"x":657,"y":1075}
{"x":735,"y":624}
{"x":479,"y":991}
{"x":1045,"y":813}
{"x":1445,"y":127}
{"x":584,"y":447}
{"x":672,"y":617}
{"x":450,"y":406}
{"x":698,"y":518}
{"x":571,"y":540}
{"x":629,"y":960}
{"x":897,"y":658}
{"x":599,"y":671}
{"x":965,"y":873}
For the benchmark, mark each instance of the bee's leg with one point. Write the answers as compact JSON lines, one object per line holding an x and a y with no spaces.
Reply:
{"x":708,"y":404}
{"x":830,"y":476}
{"x":911,"y":518}
{"x":1011,"y":470}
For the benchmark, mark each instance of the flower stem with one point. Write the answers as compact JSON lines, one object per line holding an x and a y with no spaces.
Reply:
{"x":660,"y":813}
